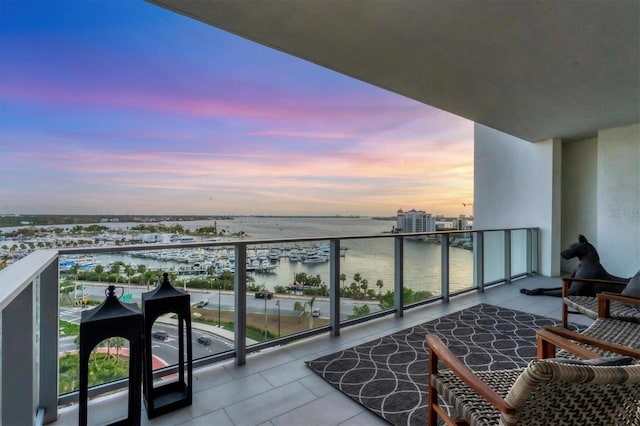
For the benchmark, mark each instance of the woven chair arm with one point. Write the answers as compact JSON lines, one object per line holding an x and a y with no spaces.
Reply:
{"x":548,"y":341}
{"x":604,"y":302}
{"x":438,"y":351}
{"x":592,"y":341}
{"x":566,"y":282}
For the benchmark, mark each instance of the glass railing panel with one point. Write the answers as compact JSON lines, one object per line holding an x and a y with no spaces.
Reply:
{"x":518,"y":252}
{"x":208,"y":275}
{"x":493,"y":256}
{"x":205,"y":273}
{"x":422,"y":271}
{"x":285,"y":295}
{"x":461,"y":262}
{"x":287,"y":289}
{"x":367,"y":276}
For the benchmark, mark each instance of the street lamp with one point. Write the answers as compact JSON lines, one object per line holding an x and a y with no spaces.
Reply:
{"x":264,"y":292}
{"x":278,"y":305}
{"x":219,"y":305}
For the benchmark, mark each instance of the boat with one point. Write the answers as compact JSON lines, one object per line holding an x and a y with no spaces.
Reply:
{"x":315,"y":258}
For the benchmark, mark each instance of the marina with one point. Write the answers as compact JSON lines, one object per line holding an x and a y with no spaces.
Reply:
{"x":278,"y":265}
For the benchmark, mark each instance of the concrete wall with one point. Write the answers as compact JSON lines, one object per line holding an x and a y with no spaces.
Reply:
{"x":590,"y":187}
{"x":517,"y":184}
{"x":579,"y":200}
{"x":618,"y":193}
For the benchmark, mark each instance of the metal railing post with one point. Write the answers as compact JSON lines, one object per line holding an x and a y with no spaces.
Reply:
{"x":444,"y":267}
{"x":529,"y":251}
{"x":479,"y":266}
{"x":18,"y":355}
{"x":398,"y":298}
{"x":48,"y":321}
{"x":334,"y":287}
{"x":240,"y":313}
{"x":507,"y":256}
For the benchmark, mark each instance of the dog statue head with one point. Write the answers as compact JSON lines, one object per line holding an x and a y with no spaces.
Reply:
{"x":582,"y":249}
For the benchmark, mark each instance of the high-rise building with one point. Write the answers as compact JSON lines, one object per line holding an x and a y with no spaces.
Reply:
{"x":415,"y":221}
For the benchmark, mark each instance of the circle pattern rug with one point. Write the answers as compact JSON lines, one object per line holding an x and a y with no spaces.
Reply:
{"x":389,"y":375}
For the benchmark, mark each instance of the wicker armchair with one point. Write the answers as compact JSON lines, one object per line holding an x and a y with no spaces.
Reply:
{"x":619,"y":306}
{"x":546,"y":392}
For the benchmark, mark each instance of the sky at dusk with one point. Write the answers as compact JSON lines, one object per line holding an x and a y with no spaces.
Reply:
{"x":122,"y":107}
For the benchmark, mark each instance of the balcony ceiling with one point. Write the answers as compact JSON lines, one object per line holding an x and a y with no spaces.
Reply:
{"x":533,"y":69}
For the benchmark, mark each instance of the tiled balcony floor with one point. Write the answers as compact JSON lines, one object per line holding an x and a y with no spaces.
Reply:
{"x":276,"y":388}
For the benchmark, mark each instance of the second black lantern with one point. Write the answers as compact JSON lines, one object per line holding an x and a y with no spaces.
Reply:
{"x":163,"y":300}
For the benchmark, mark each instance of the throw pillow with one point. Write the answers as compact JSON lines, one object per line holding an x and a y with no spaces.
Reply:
{"x":633,"y":287}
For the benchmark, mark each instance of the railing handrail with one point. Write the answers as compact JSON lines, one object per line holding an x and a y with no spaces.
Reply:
{"x":15,"y":279}
{"x":254,"y":241}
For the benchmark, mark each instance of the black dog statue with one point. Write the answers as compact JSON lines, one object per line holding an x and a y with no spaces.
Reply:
{"x":589,"y":267}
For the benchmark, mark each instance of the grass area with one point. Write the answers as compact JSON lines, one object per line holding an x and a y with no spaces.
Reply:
{"x":69,"y":329}
{"x":102,"y":368}
{"x":289,"y":324}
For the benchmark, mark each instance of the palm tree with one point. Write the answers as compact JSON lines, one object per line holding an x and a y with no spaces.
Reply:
{"x":357,"y":278}
{"x":3,"y":261}
{"x":129,"y":271}
{"x":115,"y":269}
{"x":211,"y":270}
{"x":299,"y":309}
{"x":118,"y":343}
{"x":141,"y":269}
{"x":354,"y":290}
{"x":310,"y":304}
{"x":99,"y":269}
{"x":380,"y":284}
{"x":364,"y":284}
{"x":75,"y":270}
{"x":343,"y":278}
{"x":148,"y":277}
{"x":227,"y":276}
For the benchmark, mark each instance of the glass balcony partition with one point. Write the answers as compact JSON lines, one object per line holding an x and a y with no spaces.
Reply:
{"x":246,"y":295}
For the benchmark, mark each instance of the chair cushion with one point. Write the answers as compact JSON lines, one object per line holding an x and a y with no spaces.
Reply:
{"x":588,"y":306}
{"x":623,"y":333}
{"x":466,"y":402}
{"x":610,"y":361}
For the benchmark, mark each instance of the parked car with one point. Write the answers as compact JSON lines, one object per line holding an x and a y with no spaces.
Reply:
{"x":315,"y":312}
{"x":262,"y":295}
{"x":160,"y":335}
{"x":204,"y":340}
{"x":202,"y":303}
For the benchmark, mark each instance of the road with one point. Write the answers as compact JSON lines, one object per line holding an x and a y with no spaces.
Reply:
{"x":225,"y":300}
{"x":166,"y":350}
{"x":221,"y":340}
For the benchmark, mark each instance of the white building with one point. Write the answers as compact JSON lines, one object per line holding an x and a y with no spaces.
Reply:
{"x":415,"y":221}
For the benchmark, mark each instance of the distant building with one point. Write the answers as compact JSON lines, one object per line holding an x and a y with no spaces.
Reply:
{"x":415,"y":221}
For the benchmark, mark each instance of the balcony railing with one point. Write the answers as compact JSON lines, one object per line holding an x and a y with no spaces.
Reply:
{"x":29,"y":299}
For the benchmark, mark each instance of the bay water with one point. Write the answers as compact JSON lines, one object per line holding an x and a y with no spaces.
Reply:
{"x":372,"y":258}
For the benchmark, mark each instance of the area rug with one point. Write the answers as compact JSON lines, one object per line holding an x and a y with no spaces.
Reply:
{"x":389,"y":375}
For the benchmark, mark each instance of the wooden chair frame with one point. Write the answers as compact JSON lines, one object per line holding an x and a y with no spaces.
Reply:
{"x":604,"y":297}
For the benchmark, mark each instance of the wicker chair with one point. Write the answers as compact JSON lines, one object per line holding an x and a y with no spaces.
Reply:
{"x":546,"y":392}
{"x":619,"y":305}
{"x":607,"y":334}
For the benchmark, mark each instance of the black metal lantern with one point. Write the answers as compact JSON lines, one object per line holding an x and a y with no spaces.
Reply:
{"x":176,"y":394}
{"x":112,"y":318}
